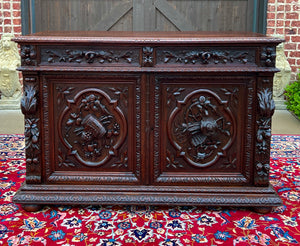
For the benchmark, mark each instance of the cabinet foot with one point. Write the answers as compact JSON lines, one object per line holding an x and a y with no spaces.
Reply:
{"x":32,"y":207}
{"x":262,"y":210}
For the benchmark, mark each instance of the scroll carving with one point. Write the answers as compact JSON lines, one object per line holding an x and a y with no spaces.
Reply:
{"x":92,"y":127}
{"x":201,"y":128}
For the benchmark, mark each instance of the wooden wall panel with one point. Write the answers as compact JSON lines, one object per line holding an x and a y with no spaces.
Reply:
{"x":144,"y":15}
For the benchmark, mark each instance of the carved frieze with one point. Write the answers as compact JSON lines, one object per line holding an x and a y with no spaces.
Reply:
{"x":201,"y":127}
{"x":92,"y":127}
{"x":206,"y":56}
{"x":86,"y":55}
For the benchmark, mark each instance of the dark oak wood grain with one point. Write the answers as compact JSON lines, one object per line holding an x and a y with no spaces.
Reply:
{"x":148,"y":118}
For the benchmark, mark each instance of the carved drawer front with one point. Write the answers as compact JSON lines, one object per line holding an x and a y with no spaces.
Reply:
{"x":202,"y":130}
{"x":89,"y":56}
{"x":89,"y":121}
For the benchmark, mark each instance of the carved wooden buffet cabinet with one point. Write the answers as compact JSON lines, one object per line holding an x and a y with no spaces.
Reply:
{"x":147,"y":118}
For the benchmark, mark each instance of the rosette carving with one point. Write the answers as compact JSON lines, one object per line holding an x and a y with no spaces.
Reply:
{"x":28,"y":55}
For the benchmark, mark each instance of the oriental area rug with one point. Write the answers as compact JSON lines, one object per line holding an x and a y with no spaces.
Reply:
{"x":151,"y":225}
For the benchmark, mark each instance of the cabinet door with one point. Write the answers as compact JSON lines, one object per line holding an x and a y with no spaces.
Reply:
{"x":202,"y":128}
{"x":90,"y":128}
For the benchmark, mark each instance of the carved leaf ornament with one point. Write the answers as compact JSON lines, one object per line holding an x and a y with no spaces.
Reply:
{"x":92,"y":127}
{"x":201,"y":128}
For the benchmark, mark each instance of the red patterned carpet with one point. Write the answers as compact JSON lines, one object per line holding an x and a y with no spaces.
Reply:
{"x":150,"y":225}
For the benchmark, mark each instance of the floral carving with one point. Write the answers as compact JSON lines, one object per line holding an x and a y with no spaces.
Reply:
{"x":262,"y":174}
{"x":206,"y":57}
{"x":232,"y":94}
{"x":266,"y":103}
{"x":263,"y":136}
{"x":172,"y":94}
{"x":121,"y":93}
{"x":230,"y":162}
{"x":266,"y":109}
{"x":28,"y":55}
{"x":263,"y":169}
{"x":268,"y":56}
{"x":62,"y":93}
{"x":29,"y":100}
{"x":201,"y":128}
{"x":148,"y":57}
{"x":92,"y":127}
{"x":89,"y":56}
{"x":171,"y":162}
{"x":123,"y":162}
{"x":63,"y":160}
{"x":32,"y":133}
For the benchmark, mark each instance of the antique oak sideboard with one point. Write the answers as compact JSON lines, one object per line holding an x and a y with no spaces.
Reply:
{"x":168,"y":118}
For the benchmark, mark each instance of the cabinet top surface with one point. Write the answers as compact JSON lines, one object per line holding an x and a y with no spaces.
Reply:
{"x":146,"y":37}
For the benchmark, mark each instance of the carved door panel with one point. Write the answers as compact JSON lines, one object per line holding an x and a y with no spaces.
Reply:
{"x":89,"y":126}
{"x":199,"y":125}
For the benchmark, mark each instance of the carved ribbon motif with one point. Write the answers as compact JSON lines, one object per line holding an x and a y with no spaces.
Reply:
{"x":201,"y":128}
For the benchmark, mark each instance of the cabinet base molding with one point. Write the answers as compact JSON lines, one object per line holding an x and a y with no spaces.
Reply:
{"x":260,"y":197}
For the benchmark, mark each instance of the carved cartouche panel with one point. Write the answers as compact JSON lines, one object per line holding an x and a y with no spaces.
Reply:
{"x":92,"y":127}
{"x":206,"y":56}
{"x":201,"y":128}
{"x":90,"y":56}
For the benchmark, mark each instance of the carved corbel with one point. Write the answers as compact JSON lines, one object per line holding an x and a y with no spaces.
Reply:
{"x":263,"y":137}
{"x":29,"y":107}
